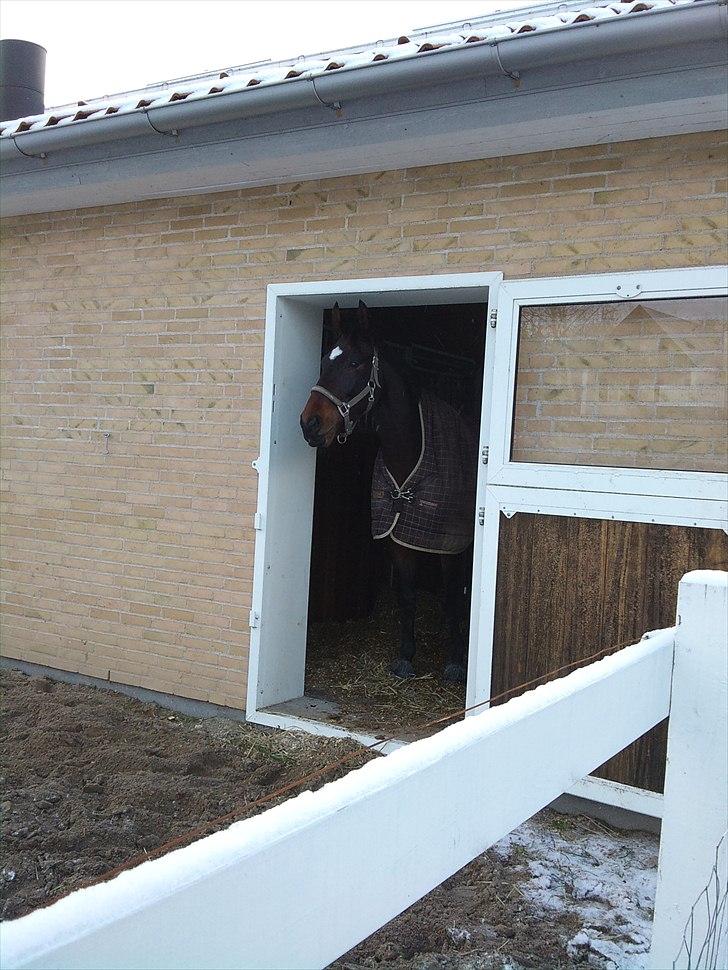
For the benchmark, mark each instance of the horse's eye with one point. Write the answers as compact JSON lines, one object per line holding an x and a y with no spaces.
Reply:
{"x":354,"y":363}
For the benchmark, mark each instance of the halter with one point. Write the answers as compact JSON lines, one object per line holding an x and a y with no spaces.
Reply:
{"x":344,"y":407}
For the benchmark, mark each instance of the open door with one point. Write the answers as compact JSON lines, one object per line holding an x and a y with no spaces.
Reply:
{"x":606,"y":427}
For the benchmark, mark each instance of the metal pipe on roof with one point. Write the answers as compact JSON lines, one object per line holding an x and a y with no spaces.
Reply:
{"x":22,"y":78}
{"x":598,"y":40}
{"x":52,"y":139}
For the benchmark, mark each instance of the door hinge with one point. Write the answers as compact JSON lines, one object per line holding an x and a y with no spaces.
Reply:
{"x":485,"y":453}
{"x":481,"y":515}
{"x":258,"y":521}
{"x":254,"y":620}
{"x":493,"y":315}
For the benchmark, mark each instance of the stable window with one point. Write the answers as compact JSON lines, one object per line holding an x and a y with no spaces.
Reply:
{"x":635,"y":383}
{"x":613,"y":383}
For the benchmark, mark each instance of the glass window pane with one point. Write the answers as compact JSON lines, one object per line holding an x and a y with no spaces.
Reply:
{"x":639,"y":384}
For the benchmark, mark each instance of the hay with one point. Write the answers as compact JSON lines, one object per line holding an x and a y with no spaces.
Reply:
{"x":349,"y":663}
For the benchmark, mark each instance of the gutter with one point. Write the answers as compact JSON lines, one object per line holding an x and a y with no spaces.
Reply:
{"x":597,"y":39}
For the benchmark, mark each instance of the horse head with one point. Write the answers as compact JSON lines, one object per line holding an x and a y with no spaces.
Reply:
{"x":348,"y":382}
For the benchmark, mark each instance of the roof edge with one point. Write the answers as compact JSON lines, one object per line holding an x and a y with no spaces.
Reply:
{"x":510,"y":56}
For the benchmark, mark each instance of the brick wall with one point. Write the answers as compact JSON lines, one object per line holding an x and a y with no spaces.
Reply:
{"x":132,"y":351}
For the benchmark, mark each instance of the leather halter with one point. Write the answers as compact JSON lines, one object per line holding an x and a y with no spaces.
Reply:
{"x":345,"y":407}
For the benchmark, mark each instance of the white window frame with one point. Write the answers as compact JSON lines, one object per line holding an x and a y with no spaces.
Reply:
{"x":643,"y":483}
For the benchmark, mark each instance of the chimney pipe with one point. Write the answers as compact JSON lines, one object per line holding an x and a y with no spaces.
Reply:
{"x":22,"y":79}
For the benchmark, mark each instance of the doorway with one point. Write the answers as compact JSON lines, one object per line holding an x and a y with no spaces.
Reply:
{"x":430,"y":319}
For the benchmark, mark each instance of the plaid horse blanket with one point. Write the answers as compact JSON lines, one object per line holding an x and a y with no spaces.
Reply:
{"x":433,"y":509}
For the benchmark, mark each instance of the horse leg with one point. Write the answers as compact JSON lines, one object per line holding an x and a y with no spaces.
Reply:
{"x":405,"y":563}
{"x":453,"y":593}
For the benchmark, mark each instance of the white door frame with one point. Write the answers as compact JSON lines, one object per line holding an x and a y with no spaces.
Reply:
{"x":286,"y":469}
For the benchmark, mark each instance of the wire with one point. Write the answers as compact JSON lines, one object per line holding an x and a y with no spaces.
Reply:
{"x":528,"y":683}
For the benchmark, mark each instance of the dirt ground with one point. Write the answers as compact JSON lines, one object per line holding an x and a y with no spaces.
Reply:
{"x":477,"y":920}
{"x":559,"y":892}
{"x":91,"y":778}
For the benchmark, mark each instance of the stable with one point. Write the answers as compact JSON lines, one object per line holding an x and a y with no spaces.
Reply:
{"x":534,"y":206}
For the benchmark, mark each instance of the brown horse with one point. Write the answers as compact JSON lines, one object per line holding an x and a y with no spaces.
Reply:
{"x":423,"y":488}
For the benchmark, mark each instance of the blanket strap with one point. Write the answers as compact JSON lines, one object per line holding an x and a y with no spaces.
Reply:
{"x":401,"y":498}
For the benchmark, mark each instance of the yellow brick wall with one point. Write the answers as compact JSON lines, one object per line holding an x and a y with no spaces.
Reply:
{"x":130,"y":557}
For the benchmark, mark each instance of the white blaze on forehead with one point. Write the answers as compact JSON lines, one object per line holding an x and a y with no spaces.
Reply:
{"x":336,"y":352}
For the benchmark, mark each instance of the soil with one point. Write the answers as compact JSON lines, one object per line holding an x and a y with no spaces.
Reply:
{"x":476,"y":920}
{"x":92,"y":779}
{"x":348,"y":663}
{"x":558,"y":893}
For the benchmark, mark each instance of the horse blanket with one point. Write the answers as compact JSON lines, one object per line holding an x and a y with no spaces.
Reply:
{"x":433,"y":509}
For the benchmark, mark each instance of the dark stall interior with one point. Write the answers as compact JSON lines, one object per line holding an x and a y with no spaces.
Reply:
{"x":353,"y":623}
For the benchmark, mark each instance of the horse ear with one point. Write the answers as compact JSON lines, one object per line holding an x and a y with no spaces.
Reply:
{"x":336,"y":321}
{"x":362,"y":316}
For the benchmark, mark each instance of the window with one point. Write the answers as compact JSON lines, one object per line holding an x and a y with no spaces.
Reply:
{"x":637,"y":384}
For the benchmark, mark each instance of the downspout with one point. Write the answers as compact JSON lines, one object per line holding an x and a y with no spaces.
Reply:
{"x":597,"y":39}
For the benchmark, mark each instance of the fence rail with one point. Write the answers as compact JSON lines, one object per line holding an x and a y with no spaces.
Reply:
{"x":304,"y":882}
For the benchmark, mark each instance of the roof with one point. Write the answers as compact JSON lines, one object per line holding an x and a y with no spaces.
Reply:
{"x":484,"y":30}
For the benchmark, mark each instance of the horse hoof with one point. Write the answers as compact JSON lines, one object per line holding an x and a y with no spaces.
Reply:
{"x":403,"y":669}
{"x":454,"y":674}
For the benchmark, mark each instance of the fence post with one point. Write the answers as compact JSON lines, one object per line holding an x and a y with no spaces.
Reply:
{"x":691,"y":909}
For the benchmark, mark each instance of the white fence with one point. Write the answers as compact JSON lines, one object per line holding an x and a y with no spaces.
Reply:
{"x":304,"y":882}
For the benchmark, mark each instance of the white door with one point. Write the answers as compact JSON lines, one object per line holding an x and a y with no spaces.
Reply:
{"x":607,"y":401}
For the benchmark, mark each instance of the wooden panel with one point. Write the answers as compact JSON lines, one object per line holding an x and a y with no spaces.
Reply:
{"x":568,"y":587}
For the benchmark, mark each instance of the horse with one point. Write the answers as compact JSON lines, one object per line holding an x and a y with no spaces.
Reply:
{"x":423,"y":485}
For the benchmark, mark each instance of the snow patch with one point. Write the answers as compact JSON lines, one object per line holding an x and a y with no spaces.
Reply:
{"x":606,"y":879}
